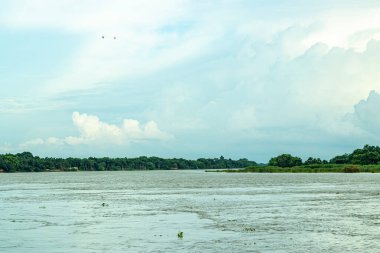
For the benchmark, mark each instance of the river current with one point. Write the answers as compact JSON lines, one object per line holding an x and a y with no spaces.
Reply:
{"x":143,"y":211}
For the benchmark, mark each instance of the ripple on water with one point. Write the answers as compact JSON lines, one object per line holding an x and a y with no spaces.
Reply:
{"x":217,"y":212}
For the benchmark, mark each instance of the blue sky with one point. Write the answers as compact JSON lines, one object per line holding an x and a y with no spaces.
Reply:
{"x":189,"y":79}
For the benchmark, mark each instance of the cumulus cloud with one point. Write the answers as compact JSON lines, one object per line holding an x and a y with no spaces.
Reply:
{"x":264,"y":90}
{"x":94,"y":131}
{"x":319,"y":86}
{"x":366,"y":114}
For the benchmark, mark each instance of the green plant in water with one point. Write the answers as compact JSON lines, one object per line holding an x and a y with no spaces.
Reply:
{"x":180,"y":234}
{"x":249,"y":229}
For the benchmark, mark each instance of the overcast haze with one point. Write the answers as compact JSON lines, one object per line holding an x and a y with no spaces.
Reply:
{"x":189,"y":79}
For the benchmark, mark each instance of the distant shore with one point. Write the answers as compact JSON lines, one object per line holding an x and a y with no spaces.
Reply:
{"x":27,"y":162}
{"x":365,"y":160}
{"x":317,"y":168}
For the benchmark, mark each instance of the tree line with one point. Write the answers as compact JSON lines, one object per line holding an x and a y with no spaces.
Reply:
{"x":364,"y":156}
{"x":26,"y":162}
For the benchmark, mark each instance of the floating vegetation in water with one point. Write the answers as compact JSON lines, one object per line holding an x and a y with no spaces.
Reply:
{"x":180,"y":234}
{"x":104,"y":204}
{"x":249,"y":229}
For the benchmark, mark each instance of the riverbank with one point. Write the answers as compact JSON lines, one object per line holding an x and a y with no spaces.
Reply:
{"x":315,"y":168}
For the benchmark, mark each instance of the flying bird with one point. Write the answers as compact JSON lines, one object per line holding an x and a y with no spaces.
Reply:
{"x":114,"y":37}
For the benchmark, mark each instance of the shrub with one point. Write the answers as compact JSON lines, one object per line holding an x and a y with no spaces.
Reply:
{"x":351,"y":169}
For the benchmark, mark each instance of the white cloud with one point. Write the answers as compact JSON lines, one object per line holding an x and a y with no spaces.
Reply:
{"x":14,"y":105}
{"x":53,"y":141}
{"x":95,"y":132}
{"x":150,"y":130}
{"x":264,"y":92}
{"x":92,"y":129}
{"x":319,"y":84}
{"x":366,"y":114}
{"x":33,"y":142}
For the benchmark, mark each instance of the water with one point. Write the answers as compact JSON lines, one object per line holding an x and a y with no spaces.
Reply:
{"x":144,"y":210}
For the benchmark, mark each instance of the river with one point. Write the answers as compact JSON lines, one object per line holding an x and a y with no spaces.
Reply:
{"x":143,"y":211}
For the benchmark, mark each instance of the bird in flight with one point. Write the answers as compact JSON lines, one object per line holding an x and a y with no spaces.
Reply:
{"x":114,"y":37}
{"x":103,"y":37}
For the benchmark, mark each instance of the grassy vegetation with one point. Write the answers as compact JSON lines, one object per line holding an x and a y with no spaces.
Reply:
{"x":313,"y":168}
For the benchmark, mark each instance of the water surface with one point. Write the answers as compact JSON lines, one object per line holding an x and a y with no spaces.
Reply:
{"x":218,"y":212}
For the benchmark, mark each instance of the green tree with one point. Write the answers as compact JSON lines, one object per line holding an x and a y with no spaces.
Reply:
{"x":340,"y":159}
{"x":285,"y":160}
{"x":312,"y":160}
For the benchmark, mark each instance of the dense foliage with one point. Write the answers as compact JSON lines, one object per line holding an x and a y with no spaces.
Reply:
{"x":312,"y":160}
{"x":315,"y":168}
{"x":285,"y":160}
{"x":366,"y":155}
{"x":26,"y":162}
{"x":366,"y":160}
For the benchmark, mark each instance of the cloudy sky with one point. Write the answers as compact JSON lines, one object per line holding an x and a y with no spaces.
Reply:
{"x":181,"y":78}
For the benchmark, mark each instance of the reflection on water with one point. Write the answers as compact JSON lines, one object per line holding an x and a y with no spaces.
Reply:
{"x":217,"y":212}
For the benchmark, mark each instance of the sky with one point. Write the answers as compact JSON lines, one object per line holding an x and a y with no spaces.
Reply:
{"x":179,"y":78}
